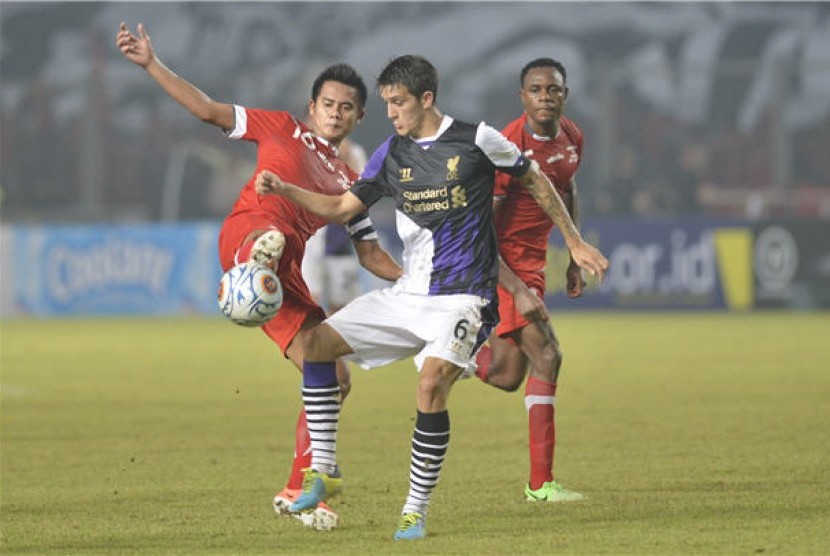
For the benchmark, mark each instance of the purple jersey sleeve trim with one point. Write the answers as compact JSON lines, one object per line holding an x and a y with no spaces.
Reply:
{"x":520,"y":167}
{"x":376,"y":160}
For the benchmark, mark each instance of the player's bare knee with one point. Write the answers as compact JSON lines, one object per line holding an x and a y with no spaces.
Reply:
{"x":436,"y":381}
{"x":506,"y":374}
{"x":510,"y":381}
{"x":429,"y":384}
{"x":322,"y":343}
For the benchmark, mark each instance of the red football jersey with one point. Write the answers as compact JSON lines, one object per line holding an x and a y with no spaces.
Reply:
{"x":521,"y":225}
{"x":287,"y":147}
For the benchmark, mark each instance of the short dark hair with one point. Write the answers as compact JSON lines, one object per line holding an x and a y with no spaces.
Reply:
{"x":543,"y":63}
{"x":345,"y":74}
{"x":415,"y":73}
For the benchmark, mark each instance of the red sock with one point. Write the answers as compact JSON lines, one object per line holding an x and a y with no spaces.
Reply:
{"x":483,"y":359}
{"x":540,"y":397}
{"x":302,"y":453}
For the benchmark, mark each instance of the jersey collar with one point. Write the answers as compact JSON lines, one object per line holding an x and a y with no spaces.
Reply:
{"x":446,"y":122}
{"x":541,"y":137}
{"x":328,"y":144}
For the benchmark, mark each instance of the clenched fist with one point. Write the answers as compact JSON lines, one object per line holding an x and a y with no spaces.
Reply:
{"x":268,"y":183}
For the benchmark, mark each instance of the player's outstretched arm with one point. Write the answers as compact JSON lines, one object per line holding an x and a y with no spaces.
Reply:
{"x":138,"y":48}
{"x":583,"y":254}
{"x":377,"y":260}
{"x":334,"y":208}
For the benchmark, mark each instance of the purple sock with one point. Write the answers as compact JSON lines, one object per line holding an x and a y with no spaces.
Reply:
{"x":319,"y":375}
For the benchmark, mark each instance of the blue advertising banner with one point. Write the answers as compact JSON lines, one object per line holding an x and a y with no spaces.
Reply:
{"x":110,"y":270}
{"x":173,"y":269}
{"x":672,"y":264}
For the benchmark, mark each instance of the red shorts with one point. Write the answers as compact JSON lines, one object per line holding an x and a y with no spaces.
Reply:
{"x":298,"y":305}
{"x":510,"y":320}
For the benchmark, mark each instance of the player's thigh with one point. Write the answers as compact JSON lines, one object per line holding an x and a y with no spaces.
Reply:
{"x":236,"y":230}
{"x":506,"y":354}
{"x":284,"y":329}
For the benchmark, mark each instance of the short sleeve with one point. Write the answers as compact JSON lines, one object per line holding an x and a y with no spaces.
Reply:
{"x":371,"y":186}
{"x":503,"y":153}
{"x":254,"y":124}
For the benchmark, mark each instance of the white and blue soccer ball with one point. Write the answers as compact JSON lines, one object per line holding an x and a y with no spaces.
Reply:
{"x":249,"y":294}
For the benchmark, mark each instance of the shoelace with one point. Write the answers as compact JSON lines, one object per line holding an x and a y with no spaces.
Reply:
{"x":309,"y":480}
{"x":409,"y":520}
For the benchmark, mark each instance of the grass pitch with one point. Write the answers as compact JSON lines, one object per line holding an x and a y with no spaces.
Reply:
{"x":691,"y":433}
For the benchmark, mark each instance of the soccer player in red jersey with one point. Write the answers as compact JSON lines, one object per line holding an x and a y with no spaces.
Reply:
{"x":523,"y":338}
{"x":272,"y":231}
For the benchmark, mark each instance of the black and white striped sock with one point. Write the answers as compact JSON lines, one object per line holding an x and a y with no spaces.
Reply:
{"x":429,"y":446}
{"x":321,"y":397}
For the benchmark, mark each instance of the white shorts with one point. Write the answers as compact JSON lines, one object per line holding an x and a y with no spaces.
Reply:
{"x":387,"y":325}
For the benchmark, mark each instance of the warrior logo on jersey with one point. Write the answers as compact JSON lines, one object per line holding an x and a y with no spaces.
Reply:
{"x":452,"y":166}
{"x":406,"y":174}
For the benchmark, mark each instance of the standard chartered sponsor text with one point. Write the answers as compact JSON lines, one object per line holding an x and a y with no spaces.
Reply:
{"x":426,"y":205}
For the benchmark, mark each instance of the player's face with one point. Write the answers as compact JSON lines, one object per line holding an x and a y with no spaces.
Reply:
{"x":543,"y":95}
{"x":406,"y":111}
{"x":335,"y":112}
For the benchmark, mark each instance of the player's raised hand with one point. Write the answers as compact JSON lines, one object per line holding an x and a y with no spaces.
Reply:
{"x":268,"y":183}
{"x":591,"y":259}
{"x":574,"y":283}
{"x":136,"y":48}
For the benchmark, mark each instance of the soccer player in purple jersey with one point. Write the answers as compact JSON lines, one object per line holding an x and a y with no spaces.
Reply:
{"x":440,"y":173}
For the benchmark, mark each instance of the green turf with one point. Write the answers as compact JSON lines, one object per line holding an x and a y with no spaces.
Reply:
{"x":691,"y":434}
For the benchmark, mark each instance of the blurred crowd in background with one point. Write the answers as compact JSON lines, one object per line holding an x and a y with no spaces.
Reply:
{"x":719,"y":109}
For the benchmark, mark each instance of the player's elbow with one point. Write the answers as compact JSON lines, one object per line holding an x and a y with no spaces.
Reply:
{"x":204,"y":111}
{"x":343,"y":210}
{"x":215,"y":113}
{"x":342,"y":218}
{"x":366,"y":255}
